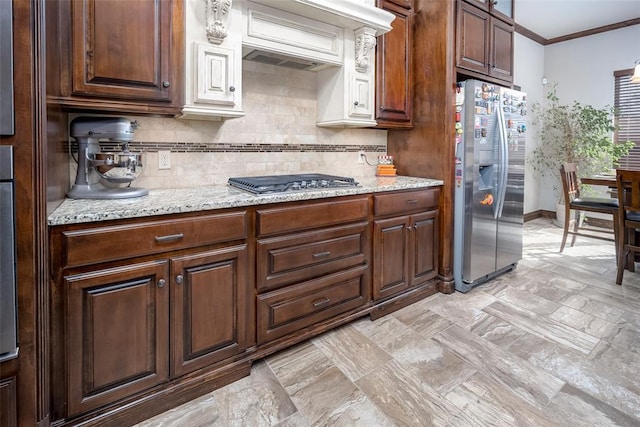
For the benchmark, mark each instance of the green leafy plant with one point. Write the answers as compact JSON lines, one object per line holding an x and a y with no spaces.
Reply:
{"x":576,"y":133}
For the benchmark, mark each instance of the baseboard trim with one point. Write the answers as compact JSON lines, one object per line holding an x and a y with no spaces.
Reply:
{"x":594,"y":222}
{"x":540,"y":213}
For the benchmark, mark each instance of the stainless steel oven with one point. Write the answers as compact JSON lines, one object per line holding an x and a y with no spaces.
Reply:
{"x":8,"y":284}
{"x":7,"y":126}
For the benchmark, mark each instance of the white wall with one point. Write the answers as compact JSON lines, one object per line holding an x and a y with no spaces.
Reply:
{"x":583,"y":70}
{"x":528,"y":72}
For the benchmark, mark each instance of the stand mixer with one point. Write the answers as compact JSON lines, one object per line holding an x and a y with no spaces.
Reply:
{"x":93,"y":165}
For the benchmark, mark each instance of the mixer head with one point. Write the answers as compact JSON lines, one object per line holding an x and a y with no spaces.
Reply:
{"x":117,"y":129}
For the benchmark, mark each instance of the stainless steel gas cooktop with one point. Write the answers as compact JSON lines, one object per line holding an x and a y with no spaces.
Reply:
{"x":282,"y":183}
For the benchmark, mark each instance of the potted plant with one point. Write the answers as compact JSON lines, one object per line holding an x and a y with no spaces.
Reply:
{"x":577,"y":133}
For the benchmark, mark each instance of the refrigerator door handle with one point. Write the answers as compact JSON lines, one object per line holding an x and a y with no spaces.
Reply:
{"x":503,"y":160}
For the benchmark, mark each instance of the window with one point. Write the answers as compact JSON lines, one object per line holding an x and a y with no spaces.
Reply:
{"x":627,"y":102}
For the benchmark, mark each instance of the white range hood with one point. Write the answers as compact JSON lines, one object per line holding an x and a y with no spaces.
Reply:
{"x":335,"y":38}
{"x":350,"y":14}
{"x":307,"y":34}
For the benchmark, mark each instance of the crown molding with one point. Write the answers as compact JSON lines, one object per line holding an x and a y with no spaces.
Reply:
{"x":603,"y":29}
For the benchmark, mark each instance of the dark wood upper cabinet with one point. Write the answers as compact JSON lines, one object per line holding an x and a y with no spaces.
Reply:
{"x":472,"y":38}
{"x":407,"y":4}
{"x":124,"y":56}
{"x":394,"y":71}
{"x":501,"y":53}
{"x":502,"y":9}
{"x":484,"y":44}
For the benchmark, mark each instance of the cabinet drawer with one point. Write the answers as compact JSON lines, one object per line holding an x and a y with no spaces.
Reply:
{"x":310,"y":215}
{"x":290,"y":309}
{"x":410,"y":201}
{"x":100,"y":244}
{"x":296,"y":258}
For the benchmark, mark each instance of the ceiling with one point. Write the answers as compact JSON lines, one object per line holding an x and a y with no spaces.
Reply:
{"x":556,"y":18}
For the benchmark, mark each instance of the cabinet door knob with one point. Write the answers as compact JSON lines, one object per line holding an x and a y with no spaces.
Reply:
{"x":356,"y":103}
{"x":161,"y":283}
{"x":232,"y":88}
{"x":166,"y":84}
{"x":179,"y":279}
{"x":382,"y":108}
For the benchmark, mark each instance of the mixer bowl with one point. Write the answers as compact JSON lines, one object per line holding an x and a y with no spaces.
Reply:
{"x":118,"y":168}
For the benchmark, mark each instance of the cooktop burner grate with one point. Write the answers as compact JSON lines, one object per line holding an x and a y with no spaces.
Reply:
{"x":282,"y":183}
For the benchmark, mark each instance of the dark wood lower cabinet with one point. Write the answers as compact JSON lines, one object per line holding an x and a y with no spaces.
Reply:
{"x":423,"y":247}
{"x":176,"y":318}
{"x":391,"y":257}
{"x":405,"y":241}
{"x":405,"y":253}
{"x":8,"y":403}
{"x":117,"y":333}
{"x":211,"y":313}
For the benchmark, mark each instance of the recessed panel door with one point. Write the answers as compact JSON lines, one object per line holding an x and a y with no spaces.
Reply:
{"x":211,"y":312}
{"x":116,"y":333}
{"x":391,"y":257}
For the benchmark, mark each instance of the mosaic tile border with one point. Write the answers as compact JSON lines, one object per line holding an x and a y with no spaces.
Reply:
{"x":197,"y":147}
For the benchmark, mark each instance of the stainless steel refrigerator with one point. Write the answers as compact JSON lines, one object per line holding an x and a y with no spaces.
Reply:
{"x":489,"y":181}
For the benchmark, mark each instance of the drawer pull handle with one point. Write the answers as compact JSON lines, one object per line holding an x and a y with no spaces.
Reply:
{"x":321,"y":255}
{"x":320,"y":302}
{"x":169,"y":238}
{"x":412,"y":202}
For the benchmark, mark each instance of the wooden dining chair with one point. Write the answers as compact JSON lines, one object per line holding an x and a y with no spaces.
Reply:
{"x":573,"y":201}
{"x":628,"y":186}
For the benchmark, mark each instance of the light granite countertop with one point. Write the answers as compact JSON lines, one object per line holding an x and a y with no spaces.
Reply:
{"x":182,"y":200}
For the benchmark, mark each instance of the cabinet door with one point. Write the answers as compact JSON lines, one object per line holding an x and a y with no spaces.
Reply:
{"x":212,"y":314}
{"x":394,"y":75}
{"x":117,"y":333}
{"x":482,"y":4}
{"x":423,"y":264}
{"x":8,"y":403}
{"x":215,"y":75}
{"x":503,"y":9}
{"x":500,"y":8}
{"x":501,"y":61}
{"x":361,"y":99}
{"x":472,"y":38}
{"x":407,"y":4}
{"x":122,"y":49}
{"x":390,"y":256}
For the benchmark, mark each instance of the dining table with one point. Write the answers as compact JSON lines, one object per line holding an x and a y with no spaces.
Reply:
{"x":609,"y":180}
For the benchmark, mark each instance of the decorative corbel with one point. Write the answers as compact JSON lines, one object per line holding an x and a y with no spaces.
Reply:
{"x":365,"y":42}
{"x":217,"y":16}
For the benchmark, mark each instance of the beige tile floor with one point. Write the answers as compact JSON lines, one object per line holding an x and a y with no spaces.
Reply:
{"x":554,"y":343}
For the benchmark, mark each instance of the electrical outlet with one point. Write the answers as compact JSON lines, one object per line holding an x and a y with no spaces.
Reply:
{"x":164,"y":159}
{"x":361,"y":156}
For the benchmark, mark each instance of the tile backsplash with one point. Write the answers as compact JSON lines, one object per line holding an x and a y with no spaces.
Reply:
{"x":277,"y":135}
